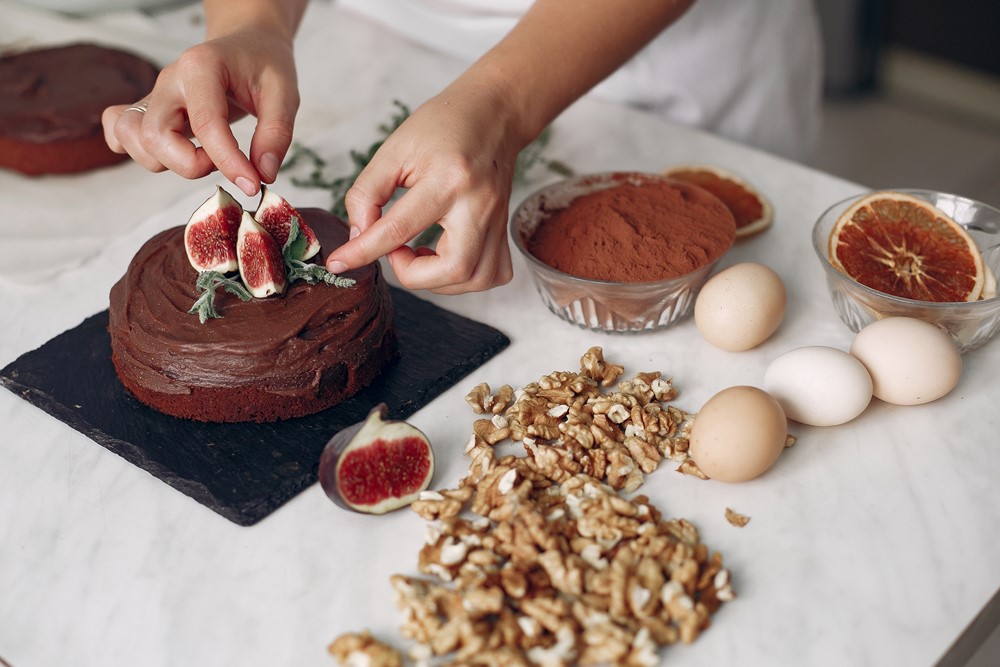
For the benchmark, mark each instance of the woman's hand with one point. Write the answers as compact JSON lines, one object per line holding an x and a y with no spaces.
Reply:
{"x":248,"y":69}
{"x":455,"y":155}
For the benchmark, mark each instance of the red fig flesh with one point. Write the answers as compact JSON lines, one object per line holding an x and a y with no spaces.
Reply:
{"x":376,"y":466}
{"x":275,"y":215}
{"x":262,"y":267}
{"x":211,"y":233}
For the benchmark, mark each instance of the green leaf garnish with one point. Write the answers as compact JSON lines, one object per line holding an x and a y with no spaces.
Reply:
{"x":296,"y":244}
{"x":296,"y":269}
{"x":314,"y":273}
{"x":208,"y":282}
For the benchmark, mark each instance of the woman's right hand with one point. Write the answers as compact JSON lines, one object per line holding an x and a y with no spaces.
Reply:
{"x":248,"y":71}
{"x":455,"y":157}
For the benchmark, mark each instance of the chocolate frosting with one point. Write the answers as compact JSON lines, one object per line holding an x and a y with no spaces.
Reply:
{"x":59,"y":94}
{"x":280,"y":344}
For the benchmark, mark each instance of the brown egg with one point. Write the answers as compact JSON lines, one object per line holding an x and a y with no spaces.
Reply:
{"x":738,"y":434}
{"x":739,"y":308}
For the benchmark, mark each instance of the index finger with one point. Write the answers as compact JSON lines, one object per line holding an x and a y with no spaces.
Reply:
{"x":208,"y":116}
{"x":415,"y":211}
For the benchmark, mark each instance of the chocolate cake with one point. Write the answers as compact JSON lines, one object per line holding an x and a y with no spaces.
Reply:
{"x":264,"y":359}
{"x":51,"y":101}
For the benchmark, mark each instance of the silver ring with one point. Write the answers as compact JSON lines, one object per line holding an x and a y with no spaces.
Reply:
{"x":141,"y":107}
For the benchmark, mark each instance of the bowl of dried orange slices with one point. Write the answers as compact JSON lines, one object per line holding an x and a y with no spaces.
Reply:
{"x":913,"y":253}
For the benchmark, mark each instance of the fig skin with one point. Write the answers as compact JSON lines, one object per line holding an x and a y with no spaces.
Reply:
{"x":375,"y":430}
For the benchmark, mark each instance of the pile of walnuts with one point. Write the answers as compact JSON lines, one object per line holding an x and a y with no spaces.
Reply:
{"x":538,"y":559}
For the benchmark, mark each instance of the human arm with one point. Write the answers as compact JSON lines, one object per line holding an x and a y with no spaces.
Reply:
{"x":456,"y":153}
{"x":245,"y":65}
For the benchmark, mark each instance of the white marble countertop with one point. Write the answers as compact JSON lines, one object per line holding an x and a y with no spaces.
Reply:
{"x":872,"y":543}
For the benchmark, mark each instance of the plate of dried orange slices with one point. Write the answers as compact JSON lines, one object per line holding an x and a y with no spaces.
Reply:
{"x":751,"y":209}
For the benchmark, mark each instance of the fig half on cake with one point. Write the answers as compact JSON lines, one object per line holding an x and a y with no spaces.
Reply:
{"x":262,"y":267}
{"x":211,"y":233}
{"x":275,"y":214}
{"x":377,"y":465}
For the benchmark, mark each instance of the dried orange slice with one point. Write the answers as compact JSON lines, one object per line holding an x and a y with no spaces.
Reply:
{"x":904,"y":246}
{"x":752,"y":210}
{"x":989,"y":284}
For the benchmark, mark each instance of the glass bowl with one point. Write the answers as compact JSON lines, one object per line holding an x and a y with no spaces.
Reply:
{"x":969,"y":324}
{"x":598,"y":305}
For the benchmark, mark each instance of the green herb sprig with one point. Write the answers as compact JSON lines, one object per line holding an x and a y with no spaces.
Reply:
{"x":296,"y":269}
{"x":534,"y":154}
{"x":208,"y":282}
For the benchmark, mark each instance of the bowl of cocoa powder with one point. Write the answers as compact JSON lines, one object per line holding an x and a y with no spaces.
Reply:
{"x":621,"y":251}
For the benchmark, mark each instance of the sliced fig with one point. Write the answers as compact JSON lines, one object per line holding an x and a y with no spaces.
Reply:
{"x":376,"y":466}
{"x":211,"y":233}
{"x":275,"y":215}
{"x":262,"y":267}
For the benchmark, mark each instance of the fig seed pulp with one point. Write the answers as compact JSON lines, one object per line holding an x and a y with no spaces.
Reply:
{"x":384,"y":469}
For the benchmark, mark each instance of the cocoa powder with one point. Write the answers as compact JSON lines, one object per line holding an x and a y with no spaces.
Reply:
{"x":635,"y":232}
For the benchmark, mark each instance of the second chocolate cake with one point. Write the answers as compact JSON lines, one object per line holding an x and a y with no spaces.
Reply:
{"x":51,"y":101}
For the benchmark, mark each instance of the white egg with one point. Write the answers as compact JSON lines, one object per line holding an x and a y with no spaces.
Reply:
{"x":739,"y":308}
{"x":910,"y":361}
{"x":819,"y":386}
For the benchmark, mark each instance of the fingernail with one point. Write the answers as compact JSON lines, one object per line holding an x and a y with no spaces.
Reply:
{"x":355,"y":232}
{"x":336,"y":266}
{"x":246,"y":185}
{"x":269,"y":166}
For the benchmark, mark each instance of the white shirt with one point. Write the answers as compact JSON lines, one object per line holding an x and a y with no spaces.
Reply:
{"x":750,"y":70}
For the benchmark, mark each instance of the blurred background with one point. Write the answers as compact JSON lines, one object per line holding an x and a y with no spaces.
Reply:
{"x":912,"y":91}
{"x":912,"y":96}
{"x":913,"y":100}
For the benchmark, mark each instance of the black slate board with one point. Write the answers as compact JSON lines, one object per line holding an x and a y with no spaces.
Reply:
{"x":242,"y":471}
